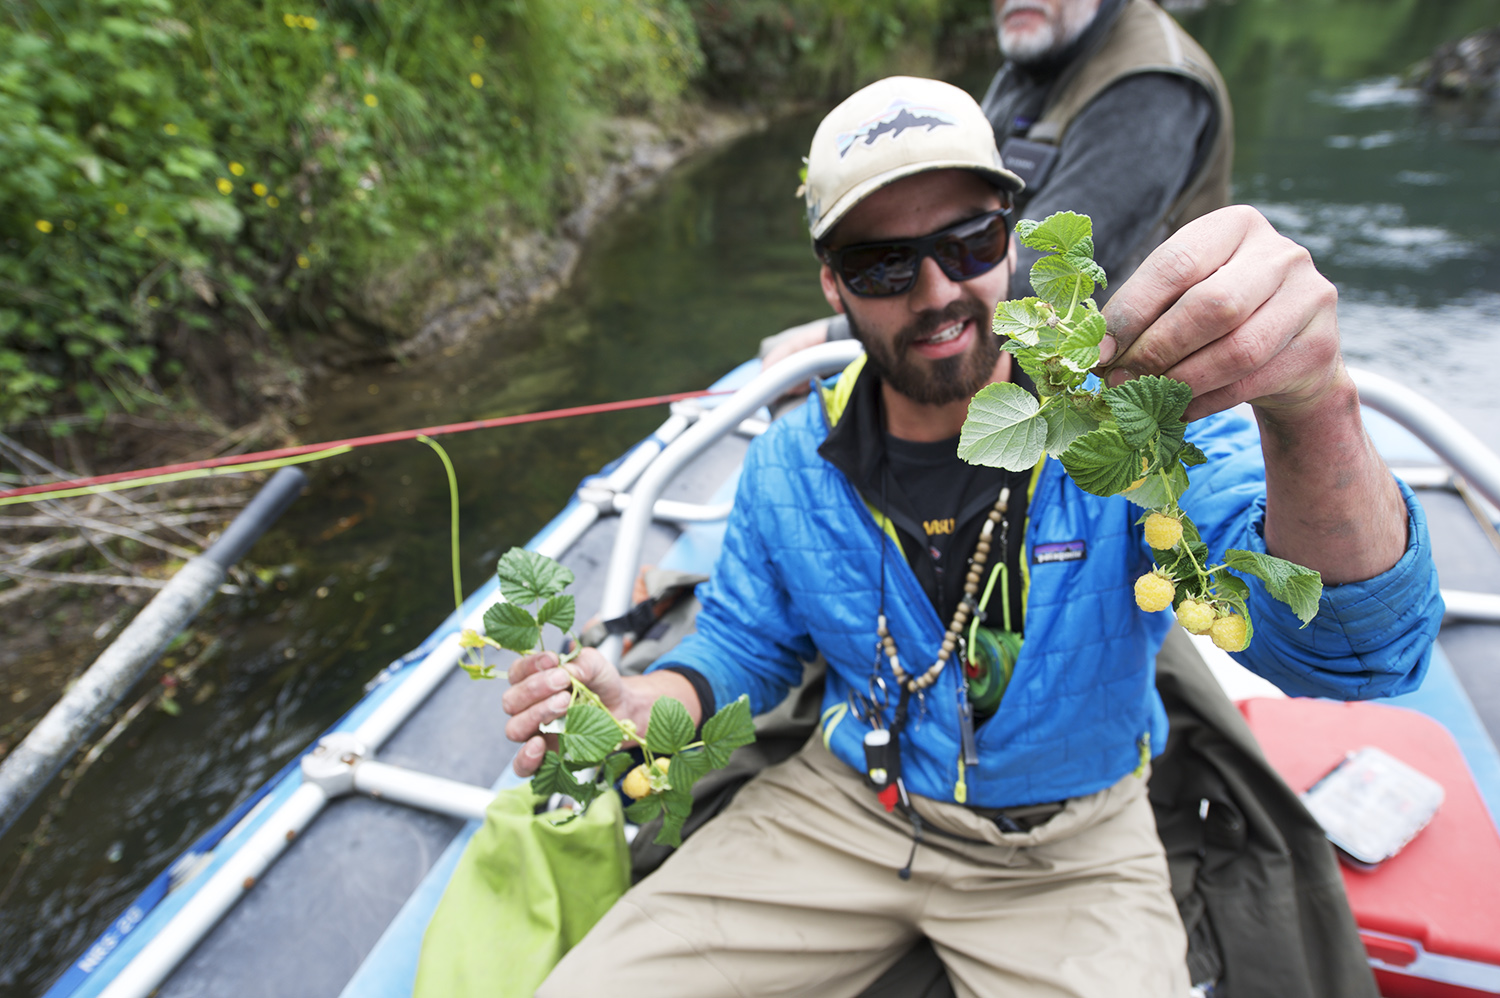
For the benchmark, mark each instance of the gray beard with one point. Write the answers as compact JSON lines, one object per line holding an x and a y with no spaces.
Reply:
{"x":1042,"y":45}
{"x":947,"y":380}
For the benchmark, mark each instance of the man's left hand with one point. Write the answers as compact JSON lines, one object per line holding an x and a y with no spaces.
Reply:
{"x":1234,"y":309}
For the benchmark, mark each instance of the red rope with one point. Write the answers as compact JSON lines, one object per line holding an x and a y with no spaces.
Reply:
{"x":377,"y":438}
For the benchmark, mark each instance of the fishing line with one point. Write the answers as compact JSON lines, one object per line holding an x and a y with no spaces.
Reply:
{"x":271,"y":459}
{"x":458,"y":589}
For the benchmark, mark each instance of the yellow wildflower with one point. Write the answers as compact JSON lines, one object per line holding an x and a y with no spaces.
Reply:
{"x":153,"y":301}
{"x":479,"y":41}
{"x":310,"y":23}
{"x":122,"y":208}
{"x":140,"y":231}
{"x":273,"y":201}
{"x":43,"y":225}
{"x":475,"y":80}
{"x":170,"y":128}
{"x":303,"y":261}
{"x":259,"y":189}
{"x":371,"y":100}
{"x":290,"y":20}
{"x":225,"y":187}
{"x":237,"y":169}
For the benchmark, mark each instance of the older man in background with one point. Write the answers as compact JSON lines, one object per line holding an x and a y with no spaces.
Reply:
{"x":1109,"y":108}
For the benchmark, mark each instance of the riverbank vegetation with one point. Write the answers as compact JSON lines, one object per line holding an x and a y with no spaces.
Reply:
{"x":191,"y":189}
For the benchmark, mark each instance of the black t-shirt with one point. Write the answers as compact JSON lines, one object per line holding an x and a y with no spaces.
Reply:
{"x":945,"y":502}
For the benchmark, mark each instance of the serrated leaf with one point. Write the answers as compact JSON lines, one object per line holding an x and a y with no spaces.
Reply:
{"x":670,"y":728}
{"x":1020,"y":320}
{"x":644,"y":810}
{"x":1298,"y":587}
{"x":1003,"y":429}
{"x":1066,"y":422}
{"x":527,"y":577}
{"x":1080,"y":348}
{"x":591,"y":734}
{"x":1231,"y":587}
{"x":1060,"y":232}
{"x":1058,"y":282}
{"x":1082,"y":257}
{"x":1156,"y":492}
{"x":552,"y":777}
{"x":1101,"y":462}
{"x":511,"y":627}
{"x":1190,"y":455}
{"x":676,"y":805}
{"x":616,"y":765}
{"x":557,"y":611}
{"x":729,"y":728}
{"x":688,"y":768}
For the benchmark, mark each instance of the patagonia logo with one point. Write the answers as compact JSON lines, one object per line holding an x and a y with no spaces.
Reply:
{"x":894,"y":120}
{"x":1045,"y":554}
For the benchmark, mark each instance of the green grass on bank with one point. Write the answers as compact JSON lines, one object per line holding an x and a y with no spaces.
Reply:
{"x":180,"y":169}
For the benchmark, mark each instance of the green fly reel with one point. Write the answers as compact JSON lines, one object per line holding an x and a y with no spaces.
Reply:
{"x":992,"y":658}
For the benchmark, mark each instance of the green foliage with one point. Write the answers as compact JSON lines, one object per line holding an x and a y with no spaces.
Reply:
{"x":1128,"y":440}
{"x":590,"y":736}
{"x":172,"y":166}
{"x":768,"y":49}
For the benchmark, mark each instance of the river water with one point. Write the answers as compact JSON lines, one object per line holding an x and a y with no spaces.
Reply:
{"x":1400,"y":204}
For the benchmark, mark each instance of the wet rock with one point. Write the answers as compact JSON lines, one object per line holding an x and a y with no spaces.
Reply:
{"x":1467,"y":68}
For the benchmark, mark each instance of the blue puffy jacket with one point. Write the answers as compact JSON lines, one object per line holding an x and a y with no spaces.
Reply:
{"x":800,"y":574}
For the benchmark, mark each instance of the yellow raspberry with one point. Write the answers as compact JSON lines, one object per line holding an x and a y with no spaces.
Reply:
{"x":637,"y":783}
{"x":1195,"y":617}
{"x":1230,"y":632}
{"x":1154,"y":592}
{"x":1163,"y":531}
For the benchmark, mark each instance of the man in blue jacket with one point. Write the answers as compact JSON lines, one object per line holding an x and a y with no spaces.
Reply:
{"x":1021,"y":842}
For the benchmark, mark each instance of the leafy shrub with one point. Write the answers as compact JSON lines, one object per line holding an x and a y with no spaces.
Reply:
{"x":213,"y":162}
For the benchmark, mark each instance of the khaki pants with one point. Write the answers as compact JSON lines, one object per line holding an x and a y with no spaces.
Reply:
{"x":793,"y":890}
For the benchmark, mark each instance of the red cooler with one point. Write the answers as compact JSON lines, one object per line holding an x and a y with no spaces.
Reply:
{"x":1429,"y":916}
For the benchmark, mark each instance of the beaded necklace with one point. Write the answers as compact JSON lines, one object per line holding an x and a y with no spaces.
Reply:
{"x":967,"y":606}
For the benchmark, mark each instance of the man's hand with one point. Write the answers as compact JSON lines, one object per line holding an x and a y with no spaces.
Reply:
{"x":1240,"y":314}
{"x":541,"y":690}
{"x":1235,"y":310}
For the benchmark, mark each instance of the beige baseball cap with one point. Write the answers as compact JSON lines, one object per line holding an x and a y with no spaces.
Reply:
{"x":891,"y":129}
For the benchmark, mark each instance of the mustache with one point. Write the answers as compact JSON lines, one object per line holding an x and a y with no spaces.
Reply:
{"x":932,"y":320}
{"x":1013,"y":6}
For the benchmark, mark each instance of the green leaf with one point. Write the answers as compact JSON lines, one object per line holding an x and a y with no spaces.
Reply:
{"x":557,"y":611}
{"x":1080,"y":347}
{"x":1299,"y":588}
{"x":1157,"y":492}
{"x":1058,"y":281}
{"x":1190,"y":455}
{"x":615,"y":766}
{"x":670,"y":728}
{"x":1148,"y":406}
{"x":1101,"y":462}
{"x":644,"y":810}
{"x":591,"y":733}
{"x":676,"y":805}
{"x":511,"y":627}
{"x":527,"y":577}
{"x":1067,"y":420}
{"x":552,"y":777}
{"x":1020,"y":320}
{"x":729,"y":728}
{"x":1060,"y":232}
{"x":1229,"y":586}
{"x":1003,"y":429}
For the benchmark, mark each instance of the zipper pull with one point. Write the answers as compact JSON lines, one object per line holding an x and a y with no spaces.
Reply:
{"x":966,"y":726}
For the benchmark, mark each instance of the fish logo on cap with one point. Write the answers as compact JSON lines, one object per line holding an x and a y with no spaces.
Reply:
{"x":895,"y":119}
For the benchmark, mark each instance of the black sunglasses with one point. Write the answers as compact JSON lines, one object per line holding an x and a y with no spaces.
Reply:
{"x":962,"y":251}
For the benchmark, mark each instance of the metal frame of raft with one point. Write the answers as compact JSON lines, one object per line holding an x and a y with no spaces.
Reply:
{"x":200,"y":887}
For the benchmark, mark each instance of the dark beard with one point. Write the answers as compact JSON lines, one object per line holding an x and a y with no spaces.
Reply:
{"x":935,"y":382}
